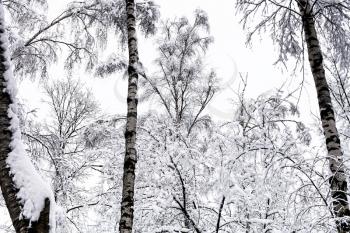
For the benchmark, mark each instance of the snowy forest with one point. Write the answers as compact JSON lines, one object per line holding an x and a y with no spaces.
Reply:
{"x":164,"y":116}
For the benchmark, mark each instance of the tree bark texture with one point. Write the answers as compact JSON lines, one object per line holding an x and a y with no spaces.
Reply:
{"x":338,"y":181}
{"x":8,"y":188}
{"x":127,"y":204}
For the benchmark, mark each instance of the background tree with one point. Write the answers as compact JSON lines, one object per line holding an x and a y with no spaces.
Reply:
{"x":182,"y":84}
{"x":183,"y":87}
{"x":59,"y":148}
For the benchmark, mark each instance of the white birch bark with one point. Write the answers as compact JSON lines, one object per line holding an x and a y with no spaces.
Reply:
{"x":338,"y":180}
{"x":127,"y":204}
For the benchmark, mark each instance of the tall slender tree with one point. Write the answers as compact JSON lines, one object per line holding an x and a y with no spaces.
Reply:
{"x":130,"y":159}
{"x":338,"y":180}
{"x":284,"y":19}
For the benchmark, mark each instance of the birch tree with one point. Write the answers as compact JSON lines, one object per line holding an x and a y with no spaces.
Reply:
{"x":27,"y":197}
{"x":127,"y":204}
{"x":316,"y":21}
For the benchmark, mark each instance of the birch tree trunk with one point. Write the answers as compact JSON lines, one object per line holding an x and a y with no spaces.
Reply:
{"x":338,"y":181}
{"x":8,"y":188}
{"x":127,"y":204}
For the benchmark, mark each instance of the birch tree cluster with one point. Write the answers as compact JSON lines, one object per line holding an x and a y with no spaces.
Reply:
{"x":173,"y":168}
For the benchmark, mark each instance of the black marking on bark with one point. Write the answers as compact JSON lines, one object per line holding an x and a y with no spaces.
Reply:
{"x":132,"y":114}
{"x":129,"y":133}
{"x":333,"y":138}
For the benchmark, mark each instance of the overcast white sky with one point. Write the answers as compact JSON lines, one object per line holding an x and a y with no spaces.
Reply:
{"x":228,"y":55}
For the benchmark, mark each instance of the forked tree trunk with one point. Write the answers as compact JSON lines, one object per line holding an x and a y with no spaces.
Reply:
{"x":338,"y":181}
{"x":127,"y":204}
{"x":7,"y":184}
